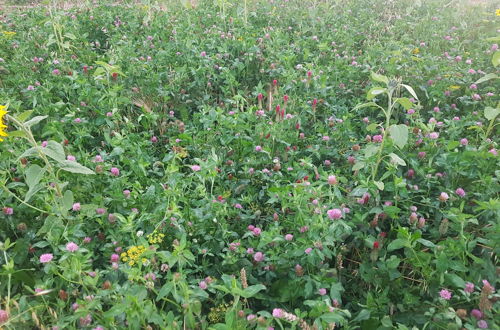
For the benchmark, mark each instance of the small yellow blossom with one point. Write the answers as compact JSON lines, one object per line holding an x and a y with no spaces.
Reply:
{"x":415,"y":51}
{"x":133,"y":254}
{"x":155,"y":237}
{"x":2,"y":125}
{"x":9,"y":34}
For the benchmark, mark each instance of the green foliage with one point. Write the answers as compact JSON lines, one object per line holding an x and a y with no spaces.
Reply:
{"x":255,"y":164}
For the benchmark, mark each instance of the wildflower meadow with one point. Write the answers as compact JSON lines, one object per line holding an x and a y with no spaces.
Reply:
{"x":254,"y":164}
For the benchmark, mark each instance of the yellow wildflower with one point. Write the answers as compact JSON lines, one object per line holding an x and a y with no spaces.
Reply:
{"x":133,"y":254}
{"x":497,"y":12}
{"x":415,"y":51}
{"x":454,"y":87}
{"x":155,"y":237}
{"x":3,"y":132}
{"x":8,"y":34}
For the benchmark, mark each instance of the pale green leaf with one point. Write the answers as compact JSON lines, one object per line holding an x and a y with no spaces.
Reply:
{"x":496,"y":59}
{"x":491,"y":113}
{"x":487,"y":77}
{"x":380,"y":78}
{"x":374,"y":92}
{"x":399,"y":134}
{"x":34,"y":121}
{"x":74,"y":167}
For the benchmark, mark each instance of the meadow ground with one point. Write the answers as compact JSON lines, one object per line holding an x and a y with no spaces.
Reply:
{"x":252,"y":164}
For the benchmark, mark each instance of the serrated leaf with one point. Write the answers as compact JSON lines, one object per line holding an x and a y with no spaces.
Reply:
{"x":380,"y":78}
{"x":74,"y":167}
{"x":399,"y":134}
{"x":374,"y":92}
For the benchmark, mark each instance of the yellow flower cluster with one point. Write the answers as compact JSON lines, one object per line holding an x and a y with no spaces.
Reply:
{"x":2,"y":125}
{"x":217,"y":314}
{"x":155,"y":237}
{"x":133,"y":254}
{"x":454,"y":87}
{"x":416,"y":51}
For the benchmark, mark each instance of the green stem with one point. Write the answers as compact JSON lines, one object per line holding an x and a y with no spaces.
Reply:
{"x":32,"y":140}
{"x":23,"y":202}
{"x":386,"y":130}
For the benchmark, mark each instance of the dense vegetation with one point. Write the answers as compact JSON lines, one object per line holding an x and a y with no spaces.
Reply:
{"x":252,"y":164}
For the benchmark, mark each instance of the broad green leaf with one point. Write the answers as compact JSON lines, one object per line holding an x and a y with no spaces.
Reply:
{"x":164,"y":291}
{"x":379,"y":78}
{"x":374,"y":92}
{"x":405,"y":102}
{"x":496,"y":59}
{"x":363,"y":315}
{"x":54,"y":150}
{"x":372,"y":127}
{"x":393,"y":262}
{"x":379,"y":184}
{"x":396,"y":159}
{"x":358,"y":166}
{"x":332,"y":318}
{"x":29,"y":153}
{"x":17,"y":134}
{"x":365,"y":105}
{"x":399,"y":134}
{"x":371,"y":150}
{"x":34,"y":174}
{"x":196,"y":307}
{"x":32,"y":191}
{"x":34,"y":121}
{"x":68,"y":199}
{"x":427,"y":243}
{"x":487,"y":77}
{"x":491,"y":113}
{"x":454,"y":279}
{"x":410,"y":90}
{"x":452,"y":145}
{"x":24,"y":115}
{"x":252,"y":290}
{"x":74,"y":167}
{"x":397,"y":244}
